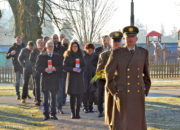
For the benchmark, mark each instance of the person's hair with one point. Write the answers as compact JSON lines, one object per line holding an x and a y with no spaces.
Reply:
{"x":64,"y":40}
{"x":49,"y":42}
{"x":30,"y":43}
{"x":69,"y":50}
{"x":89,"y":46}
{"x":38,"y":40}
{"x":62,"y":35}
{"x":17,"y":38}
{"x":54,"y":35}
{"x":105,"y":36}
{"x":45,"y":38}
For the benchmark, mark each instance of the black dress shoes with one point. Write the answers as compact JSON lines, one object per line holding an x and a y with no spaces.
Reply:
{"x":101,"y":115}
{"x":78,"y":117}
{"x":73,"y":116}
{"x":38,"y":103}
{"x":54,"y":117}
{"x":45,"y":118}
{"x":18,"y":97}
{"x":60,"y":111}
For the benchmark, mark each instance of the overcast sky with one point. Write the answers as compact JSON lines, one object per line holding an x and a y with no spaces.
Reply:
{"x":152,"y":13}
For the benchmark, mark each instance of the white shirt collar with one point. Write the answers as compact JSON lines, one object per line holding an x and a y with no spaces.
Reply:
{"x":131,"y":49}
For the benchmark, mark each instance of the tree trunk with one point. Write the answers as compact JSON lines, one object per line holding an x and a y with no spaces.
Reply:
{"x":27,"y":21}
{"x":15,"y":6}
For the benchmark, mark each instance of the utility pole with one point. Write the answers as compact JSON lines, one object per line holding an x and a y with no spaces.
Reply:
{"x":132,"y":14}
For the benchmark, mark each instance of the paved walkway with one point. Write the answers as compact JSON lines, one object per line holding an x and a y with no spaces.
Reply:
{"x":88,"y":121}
{"x":164,"y":93}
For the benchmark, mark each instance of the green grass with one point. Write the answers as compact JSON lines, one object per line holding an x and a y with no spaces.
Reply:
{"x":22,"y":117}
{"x":9,"y":91}
{"x":165,"y":82}
{"x":165,"y":87}
{"x":163,"y":113}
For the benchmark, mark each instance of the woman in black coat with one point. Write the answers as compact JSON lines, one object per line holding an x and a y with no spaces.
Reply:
{"x":74,"y":66}
{"x":89,"y":95}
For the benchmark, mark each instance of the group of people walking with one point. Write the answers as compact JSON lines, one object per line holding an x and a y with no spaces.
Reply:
{"x":60,"y":67}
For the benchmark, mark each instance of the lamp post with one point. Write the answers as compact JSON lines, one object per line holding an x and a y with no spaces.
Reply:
{"x":132,"y":14}
{"x":0,"y":14}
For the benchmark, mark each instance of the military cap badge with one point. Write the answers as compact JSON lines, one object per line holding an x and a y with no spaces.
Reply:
{"x":131,"y":29}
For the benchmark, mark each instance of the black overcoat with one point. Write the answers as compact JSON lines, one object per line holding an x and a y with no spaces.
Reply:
{"x":74,"y":80}
{"x":50,"y":81}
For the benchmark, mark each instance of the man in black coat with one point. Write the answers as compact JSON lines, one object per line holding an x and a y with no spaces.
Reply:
{"x":65,"y":44}
{"x":27,"y":67}
{"x":13,"y":53}
{"x":101,"y":83}
{"x":58,"y":48}
{"x":36,"y":76}
{"x":49,"y":64}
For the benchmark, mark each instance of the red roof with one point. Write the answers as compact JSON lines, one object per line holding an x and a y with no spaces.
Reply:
{"x":153,"y":33}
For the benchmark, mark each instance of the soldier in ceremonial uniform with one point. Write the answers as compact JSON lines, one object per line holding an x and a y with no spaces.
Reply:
{"x":130,"y":85}
{"x":116,"y":38}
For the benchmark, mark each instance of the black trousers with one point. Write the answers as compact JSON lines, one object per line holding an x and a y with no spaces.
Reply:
{"x":75,"y":103}
{"x":36,"y":91}
{"x":49,"y":97}
{"x":89,"y":97}
{"x":101,"y":85}
{"x":26,"y":75}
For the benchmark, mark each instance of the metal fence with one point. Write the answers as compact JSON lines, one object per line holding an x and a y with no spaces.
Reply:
{"x":6,"y":75}
{"x":168,"y":70}
{"x":157,"y":70}
{"x":167,"y":54}
{"x":6,"y":71}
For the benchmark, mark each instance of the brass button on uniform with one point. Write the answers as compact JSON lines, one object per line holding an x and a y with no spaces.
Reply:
{"x":128,"y":76}
{"x":138,"y":91}
{"x":138,"y":69}
{"x":128,"y":84}
{"x":138,"y":76}
{"x":128,"y":69}
{"x":144,"y":89}
{"x":128,"y":91}
{"x":138,"y":83}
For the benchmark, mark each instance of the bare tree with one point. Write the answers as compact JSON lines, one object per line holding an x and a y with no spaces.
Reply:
{"x":87,"y":17}
{"x":31,"y":15}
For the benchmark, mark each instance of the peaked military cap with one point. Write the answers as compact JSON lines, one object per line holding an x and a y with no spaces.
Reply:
{"x":116,"y":36}
{"x":130,"y":31}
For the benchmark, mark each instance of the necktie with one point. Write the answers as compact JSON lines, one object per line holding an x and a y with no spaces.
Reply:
{"x":50,"y":55}
{"x":132,"y":51}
